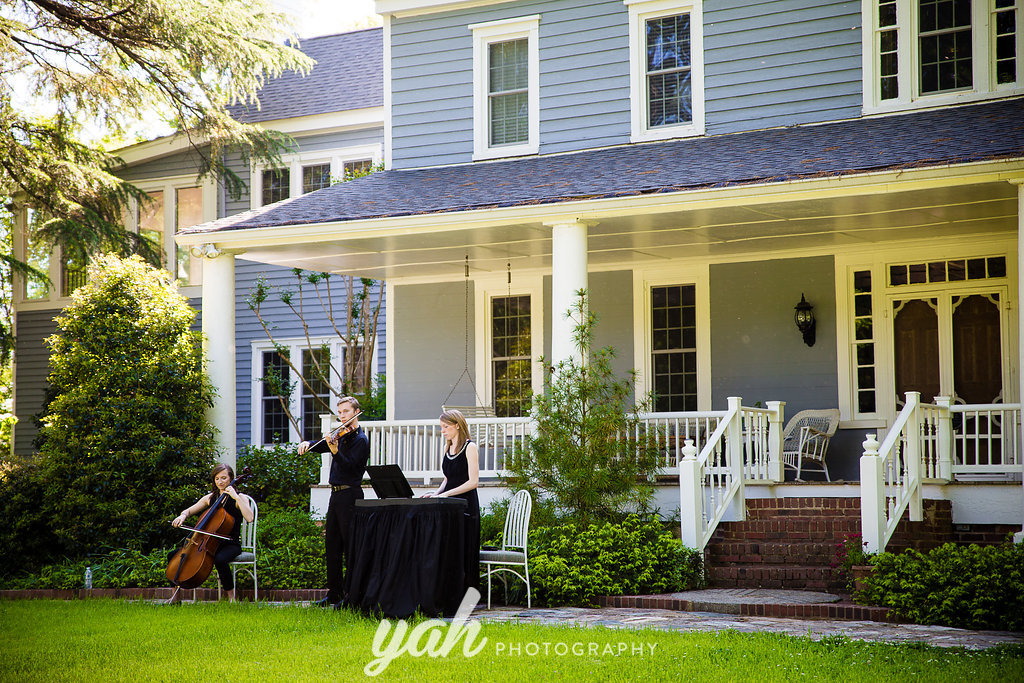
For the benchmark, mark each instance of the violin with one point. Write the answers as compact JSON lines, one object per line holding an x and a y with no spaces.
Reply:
{"x":191,"y":564}
{"x":341,"y":430}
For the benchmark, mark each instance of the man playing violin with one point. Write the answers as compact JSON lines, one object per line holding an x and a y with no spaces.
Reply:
{"x":350,"y":451}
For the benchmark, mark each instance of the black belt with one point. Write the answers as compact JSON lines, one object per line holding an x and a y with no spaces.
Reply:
{"x":343,"y":487}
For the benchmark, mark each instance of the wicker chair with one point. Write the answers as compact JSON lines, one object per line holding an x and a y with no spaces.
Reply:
{"x":806,"y":437}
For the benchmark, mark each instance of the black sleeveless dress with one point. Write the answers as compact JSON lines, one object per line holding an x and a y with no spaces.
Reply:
{"x":456,"y":471}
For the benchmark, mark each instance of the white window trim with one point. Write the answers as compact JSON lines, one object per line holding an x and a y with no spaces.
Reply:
{"x":170,"y":186}
{"x":681,"y":274}
{"x":907,"y":55}
{"x":881,"y":300}
{"x":484,"y":289}
{"x":494,"y":32}
{"x":294,"y":163}
{"x":295,"y":346}
{"x":639,"y":12}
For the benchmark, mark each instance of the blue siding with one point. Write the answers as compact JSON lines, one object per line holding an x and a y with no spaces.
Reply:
{"x":429,"y":361}
{"x":178,"y":164}
{"x":32,"y":367}
{"x":767,"y":64}
{"x":584,"y":79}
{"x":756,"y":350}
{"x":780,"y":63}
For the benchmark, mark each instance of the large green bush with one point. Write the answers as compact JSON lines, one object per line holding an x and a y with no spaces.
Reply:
{"x":281,"y":477}
{"x":291,"y":551}
{"x":125,"y":442}
{"x":27,"y":540}
{"x":977,"y":587}
{"x":570,"y":565}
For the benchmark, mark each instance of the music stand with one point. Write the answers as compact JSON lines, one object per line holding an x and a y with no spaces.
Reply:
{"x":388,"y":481}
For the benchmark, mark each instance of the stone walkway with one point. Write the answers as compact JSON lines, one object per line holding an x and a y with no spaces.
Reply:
{"x":720,"y":620}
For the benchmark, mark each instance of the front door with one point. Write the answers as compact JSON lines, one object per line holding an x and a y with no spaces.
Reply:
{"x":950,"y":344}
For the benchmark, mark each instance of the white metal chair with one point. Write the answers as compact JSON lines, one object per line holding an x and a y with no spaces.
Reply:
{"x":513,"y":547}
{"x":246,"y":561}
{"x":806,"y":437}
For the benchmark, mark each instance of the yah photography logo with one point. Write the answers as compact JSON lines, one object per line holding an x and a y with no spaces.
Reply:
{"x":413,"y":644}
{"x":430,"y":638}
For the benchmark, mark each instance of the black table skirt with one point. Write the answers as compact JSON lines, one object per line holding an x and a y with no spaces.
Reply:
{"x":406,"y":555}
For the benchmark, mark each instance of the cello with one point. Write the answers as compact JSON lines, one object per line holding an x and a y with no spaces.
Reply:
{"x":191,"y":564}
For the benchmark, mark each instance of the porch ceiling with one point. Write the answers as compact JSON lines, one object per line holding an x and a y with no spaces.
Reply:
{"x":677,"y":228}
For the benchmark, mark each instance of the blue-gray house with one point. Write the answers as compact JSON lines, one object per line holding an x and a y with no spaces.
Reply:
{"x":703,"y":168}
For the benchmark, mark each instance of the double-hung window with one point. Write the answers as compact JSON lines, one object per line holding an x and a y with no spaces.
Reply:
{"x":506,"y":99}
{"x":276,"y":183}
{"x":511,"y":360}
{"x":666,"y":69}
{"x":297,"y":378}
{"x":928,"y":52}
{"x":674,"y":347}
{"x":316,"y":177}
{"x":175,"y":204}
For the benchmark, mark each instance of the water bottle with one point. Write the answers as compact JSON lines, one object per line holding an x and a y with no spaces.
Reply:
{"x":88,"y":578}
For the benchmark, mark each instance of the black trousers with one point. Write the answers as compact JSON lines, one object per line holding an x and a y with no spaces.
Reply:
{"x":336,"y":530}
{"x":222,"y":561}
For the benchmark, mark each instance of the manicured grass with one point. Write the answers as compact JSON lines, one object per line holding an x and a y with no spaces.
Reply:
{"x":115,"y":640}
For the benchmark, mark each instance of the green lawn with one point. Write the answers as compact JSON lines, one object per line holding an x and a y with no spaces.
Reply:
{"x":116,"y":640}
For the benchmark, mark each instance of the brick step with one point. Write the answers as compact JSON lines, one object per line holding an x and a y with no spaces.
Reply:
{"x":771,"y":552}
{"x":784,"y":576}
{"x":794,"y":529}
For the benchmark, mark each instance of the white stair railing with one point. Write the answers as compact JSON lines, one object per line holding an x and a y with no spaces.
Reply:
{"x":710,"y":481}
{"x":890,"y":474}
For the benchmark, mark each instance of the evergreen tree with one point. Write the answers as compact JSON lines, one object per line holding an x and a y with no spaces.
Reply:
{"x":590,"y":456}
{"x":125,"y":443}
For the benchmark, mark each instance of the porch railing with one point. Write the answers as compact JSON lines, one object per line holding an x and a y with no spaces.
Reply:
{"x":416,"y":445}
{"x":986,"y":438}
{"x":937,"y":442}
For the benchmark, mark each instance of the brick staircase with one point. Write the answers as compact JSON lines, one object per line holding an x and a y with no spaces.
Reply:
{"x":791,"y":543}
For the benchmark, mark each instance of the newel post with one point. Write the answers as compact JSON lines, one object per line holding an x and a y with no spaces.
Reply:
{"x":691,"y":497}
{"x":912,"y":457}
{"x":734,"y":452}
{"x":776,"y":409}
{"x":872,"y":496}
{"x":944,"y":437}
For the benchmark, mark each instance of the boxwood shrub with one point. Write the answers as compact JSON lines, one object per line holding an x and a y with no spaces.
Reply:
{"x":573,"y":566}
{"x":976,"y":587}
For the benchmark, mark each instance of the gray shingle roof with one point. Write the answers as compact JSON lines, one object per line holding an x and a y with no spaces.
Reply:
{"x":348,"y":74}
{"x":955,"y":135}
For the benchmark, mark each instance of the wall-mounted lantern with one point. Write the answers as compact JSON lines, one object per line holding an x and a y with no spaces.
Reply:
{"x":804,"y":318}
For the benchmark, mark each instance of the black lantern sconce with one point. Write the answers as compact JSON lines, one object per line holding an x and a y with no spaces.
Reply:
{"x":804,"y":318}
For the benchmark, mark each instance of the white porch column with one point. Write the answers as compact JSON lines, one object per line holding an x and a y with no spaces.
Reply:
{"x":1019,"y":182}
{"x":219,"y":346}
{"x":568,"y":276}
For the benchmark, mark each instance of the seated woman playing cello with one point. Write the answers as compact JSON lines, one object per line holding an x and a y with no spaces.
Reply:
{"x":237,"y":507}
